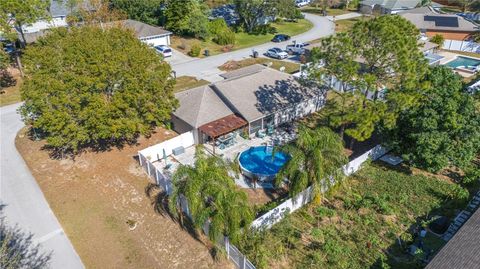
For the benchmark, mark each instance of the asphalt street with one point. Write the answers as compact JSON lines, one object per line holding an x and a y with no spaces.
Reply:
{"x":24,"y":203}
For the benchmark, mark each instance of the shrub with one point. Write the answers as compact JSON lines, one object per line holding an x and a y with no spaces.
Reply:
{"x":226,"y":37}
{"x":221,"y":33}
{"x":195,"y":50}
{"x":437,"y":39}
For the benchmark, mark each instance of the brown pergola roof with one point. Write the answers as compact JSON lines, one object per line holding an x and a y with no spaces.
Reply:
{"x":223,"y":126}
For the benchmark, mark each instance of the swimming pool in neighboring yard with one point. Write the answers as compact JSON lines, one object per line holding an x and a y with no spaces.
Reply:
{"x":258,"y":162}
{"x":462,"y":61}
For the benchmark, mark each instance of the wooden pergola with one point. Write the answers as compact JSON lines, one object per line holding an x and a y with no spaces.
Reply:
{"x":222,"y":126}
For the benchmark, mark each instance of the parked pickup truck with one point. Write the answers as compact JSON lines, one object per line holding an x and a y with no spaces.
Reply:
{"x":296,"y":48}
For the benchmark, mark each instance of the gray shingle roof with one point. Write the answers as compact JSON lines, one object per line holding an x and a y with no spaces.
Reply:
{"x":262,"y":93}
{"x":393,"y":4}
{"x":243,"y":71}
{"x":59,"y":8}
{"x":143,"y":30}
{"x":463,"y":250}
{"x":420,"y":23}
{"x":199,"y":106}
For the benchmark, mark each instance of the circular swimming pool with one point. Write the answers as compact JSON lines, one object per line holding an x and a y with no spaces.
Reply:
{"x":258,"y":162}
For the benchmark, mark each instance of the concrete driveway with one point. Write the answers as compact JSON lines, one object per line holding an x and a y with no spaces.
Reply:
{"x":206,"y":68}
{"x":24,"y":202}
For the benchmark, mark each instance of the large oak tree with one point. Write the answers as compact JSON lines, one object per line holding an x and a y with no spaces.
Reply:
{"x":91,"y":87}
{"x":444,"y":130}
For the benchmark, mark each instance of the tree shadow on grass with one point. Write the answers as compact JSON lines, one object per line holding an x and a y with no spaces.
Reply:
{"x":159,"y":199}
{"x":17,"y":249}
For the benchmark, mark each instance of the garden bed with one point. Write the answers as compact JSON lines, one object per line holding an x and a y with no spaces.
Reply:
{"x":359,"y":225}
{"x":276,"y":64}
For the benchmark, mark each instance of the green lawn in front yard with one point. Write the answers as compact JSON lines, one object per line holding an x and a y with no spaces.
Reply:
{"x":186,"y":82}
{"x":358,"y":226}
{"x":243,"y":40}
{"x":345,"y":25}
{"x":276,"y":64}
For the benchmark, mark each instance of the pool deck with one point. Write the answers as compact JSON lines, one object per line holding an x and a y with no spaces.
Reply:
{"x":450,"y":56}
{"x":172,"y":162}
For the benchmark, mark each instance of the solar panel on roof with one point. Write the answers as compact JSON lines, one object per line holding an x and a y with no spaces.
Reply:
{"x":442,"y":21}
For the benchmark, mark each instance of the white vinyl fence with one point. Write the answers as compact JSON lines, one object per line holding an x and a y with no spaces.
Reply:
{"x":278,"y":213}
{"x":467,"y":46}
{"x":147,"y":156}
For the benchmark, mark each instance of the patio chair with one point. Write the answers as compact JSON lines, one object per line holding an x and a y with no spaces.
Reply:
{"x":270,"y":130}
{"x":261,"y":134}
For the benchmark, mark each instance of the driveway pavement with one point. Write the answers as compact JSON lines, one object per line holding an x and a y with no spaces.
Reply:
{"x":206,"y":68}
{"x":24,"y":202}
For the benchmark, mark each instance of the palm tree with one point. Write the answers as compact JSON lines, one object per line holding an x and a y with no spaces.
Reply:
{"x":316,"y":155}
{"x":212,"y":196}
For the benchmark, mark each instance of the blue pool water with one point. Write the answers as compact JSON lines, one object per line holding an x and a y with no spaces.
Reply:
{"x":463,"y":61}
{"x":259,"y":161}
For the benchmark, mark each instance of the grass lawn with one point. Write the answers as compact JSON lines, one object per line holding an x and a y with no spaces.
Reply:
{"x":276,"y":64}
{"x":11,"y":95}
{"x":358,"y":225}
{"x":96,"y":198}
{"x":345,"y":25}
{"x":187,"y":82}
{"x":243,"y":40}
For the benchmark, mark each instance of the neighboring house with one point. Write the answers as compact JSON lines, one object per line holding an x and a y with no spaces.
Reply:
{"x":226,"y":12}
{"x":451,"y":27}
{"x":152,"y":35}
{"x":248,"y":100}
{"x":58,"y":18}
{"x":463,"y":250}
{"x":229,"y":14}
{"x":387,"y":6}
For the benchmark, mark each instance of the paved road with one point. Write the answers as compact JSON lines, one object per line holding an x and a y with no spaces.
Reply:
{"x":206,"y":68}
{"x":24,"y":202}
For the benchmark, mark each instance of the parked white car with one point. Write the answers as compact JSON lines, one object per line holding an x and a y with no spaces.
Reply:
{"x":296,"y":48}
{"x":277,"y":53}
{"x":166,"y":51}
{"x":302,"y":3}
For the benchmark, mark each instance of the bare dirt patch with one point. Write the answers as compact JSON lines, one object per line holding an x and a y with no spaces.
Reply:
{"x":100,"y":200}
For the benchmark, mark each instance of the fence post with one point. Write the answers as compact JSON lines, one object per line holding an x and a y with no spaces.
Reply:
{"x":227,"y":246}
{"x":244,"y":260}
{"x":148,"y":168}
{"x":140,"y":158}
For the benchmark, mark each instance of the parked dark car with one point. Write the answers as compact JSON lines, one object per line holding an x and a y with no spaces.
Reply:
{"x":280,"y":38}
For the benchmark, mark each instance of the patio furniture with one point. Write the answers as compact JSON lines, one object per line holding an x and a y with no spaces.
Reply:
{"x":270,"y":130}
{"x":261,"y":133}
{"x":177,"y":151}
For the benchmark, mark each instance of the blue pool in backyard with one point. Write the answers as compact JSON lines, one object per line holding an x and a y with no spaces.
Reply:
{"x":465,"y":62}
{"x":259,"y":162}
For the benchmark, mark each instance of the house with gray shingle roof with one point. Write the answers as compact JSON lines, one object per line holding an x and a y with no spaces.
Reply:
{"x":250,"y":99}
{"x":387,"y":6}
{"x":463,"y":250}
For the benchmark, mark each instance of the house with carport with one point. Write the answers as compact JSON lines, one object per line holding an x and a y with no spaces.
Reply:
{"x":249,"y":100}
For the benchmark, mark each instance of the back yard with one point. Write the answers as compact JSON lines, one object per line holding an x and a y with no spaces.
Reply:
{"x":358,"y":226}
{"x":99,"y":199}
